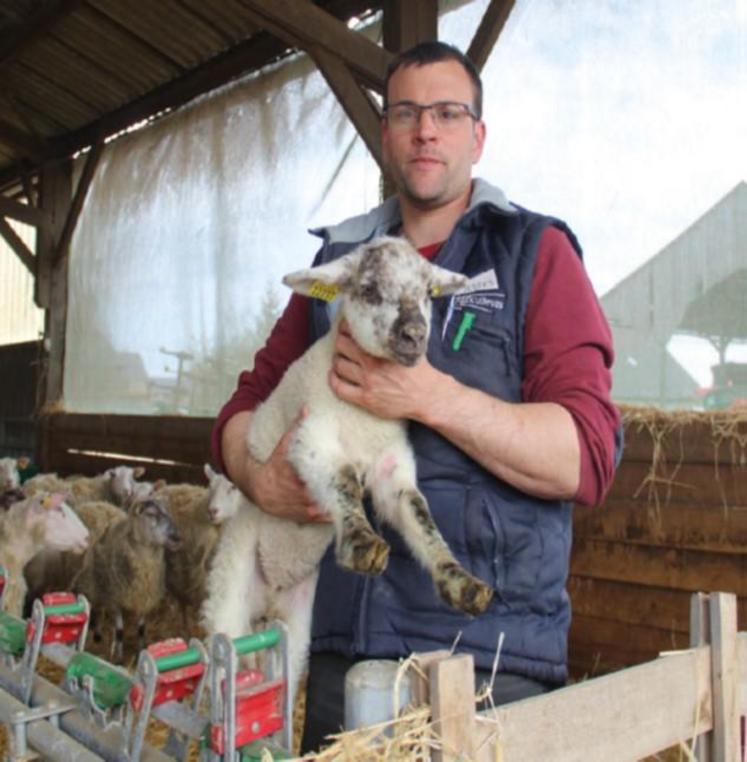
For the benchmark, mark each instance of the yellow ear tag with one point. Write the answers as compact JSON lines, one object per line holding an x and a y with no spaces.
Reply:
{"x":326,"y":291}
{"x":435,"y":291}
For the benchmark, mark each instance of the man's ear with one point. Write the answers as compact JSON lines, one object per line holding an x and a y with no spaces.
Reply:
{"x":442,"y":282}
{"x":325,"y":281}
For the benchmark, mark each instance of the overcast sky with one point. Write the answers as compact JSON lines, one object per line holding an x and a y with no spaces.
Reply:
{"x":627,"y":118}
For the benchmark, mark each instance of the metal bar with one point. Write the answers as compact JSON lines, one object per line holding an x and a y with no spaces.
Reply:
{"x":179,"y":659}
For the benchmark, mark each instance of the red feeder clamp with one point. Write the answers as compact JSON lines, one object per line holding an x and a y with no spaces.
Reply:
{"x":168,"y":684}
{"x":248,"y":704}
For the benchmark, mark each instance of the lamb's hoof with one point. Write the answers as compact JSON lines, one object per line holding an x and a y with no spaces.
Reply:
{"x":461,"y":590}
{"x":369,"y":555}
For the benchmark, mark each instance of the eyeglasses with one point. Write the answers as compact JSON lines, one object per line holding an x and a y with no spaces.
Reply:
{"x":446,"y":115}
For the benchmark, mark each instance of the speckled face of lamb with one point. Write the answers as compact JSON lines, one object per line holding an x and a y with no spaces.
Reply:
{"x":385,"y":288}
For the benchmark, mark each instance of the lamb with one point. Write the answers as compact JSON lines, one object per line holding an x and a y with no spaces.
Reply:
{"x":124,"y":572}
{"x":197,"y":513}
{"x":9,"y":476}
{"x":42,"y":521}
{"x":267,"y":567}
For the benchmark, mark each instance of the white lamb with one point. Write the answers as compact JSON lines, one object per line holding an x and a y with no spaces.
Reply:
{"x":267,"y":567}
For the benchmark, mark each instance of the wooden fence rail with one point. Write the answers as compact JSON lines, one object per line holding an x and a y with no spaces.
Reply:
{"x":696,"y":693}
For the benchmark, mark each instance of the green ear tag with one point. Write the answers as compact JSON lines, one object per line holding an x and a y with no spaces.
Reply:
{"x":326,"y":291}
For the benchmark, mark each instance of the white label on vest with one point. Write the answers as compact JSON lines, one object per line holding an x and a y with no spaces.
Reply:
{"x":486,"y":281}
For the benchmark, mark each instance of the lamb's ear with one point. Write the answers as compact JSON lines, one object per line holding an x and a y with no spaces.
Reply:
{"x":138,"y":471}
{"x":443,"y":282}
{"x":209,"y":473}
{"x":22,"y":462}
{"x":325,"y":281}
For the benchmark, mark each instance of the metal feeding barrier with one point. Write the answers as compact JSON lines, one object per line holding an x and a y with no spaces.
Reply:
{"x":101,"y":711}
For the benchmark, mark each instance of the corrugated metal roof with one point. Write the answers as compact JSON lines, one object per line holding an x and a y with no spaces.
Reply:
{"x":67,"y":64}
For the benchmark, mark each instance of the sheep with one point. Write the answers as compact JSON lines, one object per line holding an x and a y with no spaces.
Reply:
{"x":115,"y":485}
{"x":124,"y":572}
{"x":10,"y":496}
{"x":9,"y":472}
{"x":42,"y":521}
{"x":197,"y":513}
{"x":47,"y":482}
{"x":266,"y":566}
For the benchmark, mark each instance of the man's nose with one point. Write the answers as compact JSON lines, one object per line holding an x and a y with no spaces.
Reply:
{"x":426,"y":124}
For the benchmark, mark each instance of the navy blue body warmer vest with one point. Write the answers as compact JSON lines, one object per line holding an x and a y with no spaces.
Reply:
{"x":517,"y":543}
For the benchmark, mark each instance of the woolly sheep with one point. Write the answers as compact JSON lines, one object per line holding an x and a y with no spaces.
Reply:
{"x":9,"y":476}
{"x":42,"y":521}
{"x":124,"y":572}
{"x":265,"y":566}
{"x":53,"y":570}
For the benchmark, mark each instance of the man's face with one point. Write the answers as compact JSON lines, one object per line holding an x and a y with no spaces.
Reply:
{"x":432,"y":167}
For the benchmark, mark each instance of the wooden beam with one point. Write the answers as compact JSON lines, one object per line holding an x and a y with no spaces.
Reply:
{"x":78,"y":200}
{"x":407,"y":24}
{"x":51,"y":281}
{"x":19,"y":247}
{"x":493,"y":21}
{"x":303,"y":24}
{"x":22,"y":142}
{"x":25,"y":213}
{"x":360,"y":108}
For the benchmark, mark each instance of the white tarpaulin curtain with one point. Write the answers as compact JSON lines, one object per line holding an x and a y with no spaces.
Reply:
{"x":189,"y":226}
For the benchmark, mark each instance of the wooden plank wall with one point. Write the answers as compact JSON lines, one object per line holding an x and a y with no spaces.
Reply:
{"x":674,"y":523}
{"x":174,"y":448}
{"x":19,"y":377}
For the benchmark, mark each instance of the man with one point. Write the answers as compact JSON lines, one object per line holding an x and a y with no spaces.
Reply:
{"x":510,"y":414}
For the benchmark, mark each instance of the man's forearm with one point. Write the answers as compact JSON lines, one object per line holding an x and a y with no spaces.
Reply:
{"x":533,"y":446}
{"x":236,"y":458}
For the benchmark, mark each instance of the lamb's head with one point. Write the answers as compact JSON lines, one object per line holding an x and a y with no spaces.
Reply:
{"x":224,"y":499}
{"x":121,"y":481}
{"x":51,"y":519}
{"x":385,"y":289}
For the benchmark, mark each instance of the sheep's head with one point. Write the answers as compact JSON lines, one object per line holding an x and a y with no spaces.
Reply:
{"x":225,"y":498}
{"x":56,"y":522}
{"x":385,"y":288}
{"x":9,"y":467}
{"x":121,"y":480}
{"x":154,"y":524}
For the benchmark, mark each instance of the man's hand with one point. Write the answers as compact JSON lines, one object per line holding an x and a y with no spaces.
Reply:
{"x":274,"y":486}
{"x":383,"y":387}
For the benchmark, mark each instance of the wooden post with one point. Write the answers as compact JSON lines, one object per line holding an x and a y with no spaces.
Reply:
{"x":56,"y":194}
{"x":713,"y":620}
{"x":723,"y":622}
{"x":453,"y":708}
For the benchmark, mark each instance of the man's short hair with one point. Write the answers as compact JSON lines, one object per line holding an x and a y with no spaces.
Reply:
{"x":431,"y":52}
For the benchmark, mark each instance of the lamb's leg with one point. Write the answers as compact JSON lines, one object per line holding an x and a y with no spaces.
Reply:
{"x":235,"y":586}
{"x":118,"y":641}
{"x":357,"y":547}
{"x":335,"y":485}
{"x":294,"y":606}
{"x":398,"y":501}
